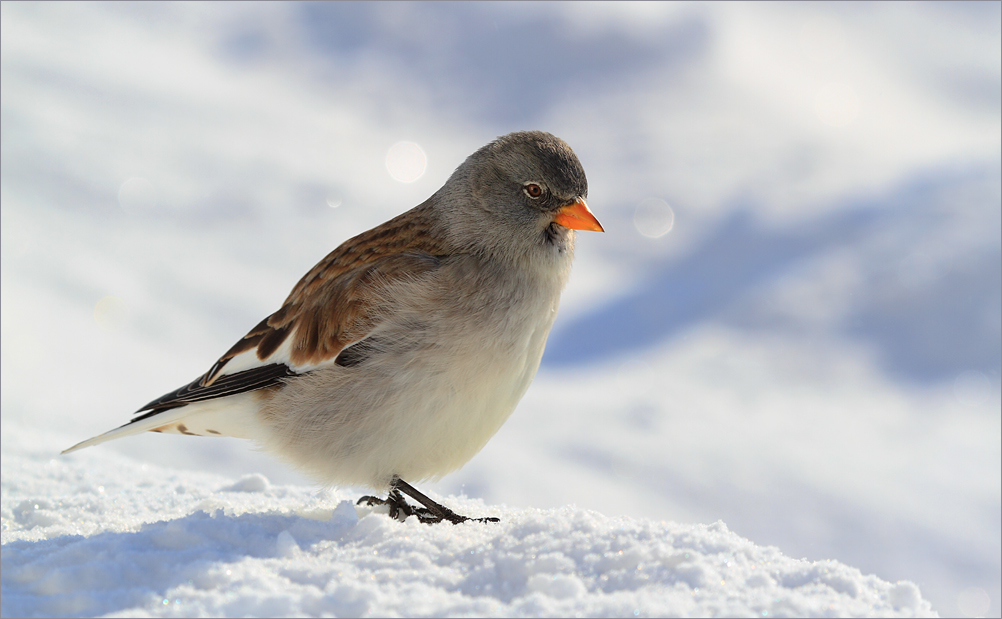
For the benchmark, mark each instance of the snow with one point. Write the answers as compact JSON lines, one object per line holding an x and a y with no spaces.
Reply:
{"x":811,"y":355}
{"x":121,"y":540}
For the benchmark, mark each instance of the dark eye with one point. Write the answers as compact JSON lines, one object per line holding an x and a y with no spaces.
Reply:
{"x":533,"y":190}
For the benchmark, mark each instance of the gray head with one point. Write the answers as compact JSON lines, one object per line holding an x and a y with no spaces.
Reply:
{"x":519,"y":195}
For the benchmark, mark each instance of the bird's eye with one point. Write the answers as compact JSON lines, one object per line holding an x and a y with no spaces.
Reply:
{"x":533,"y":190}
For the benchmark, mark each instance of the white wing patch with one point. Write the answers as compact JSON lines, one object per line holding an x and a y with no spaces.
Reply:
{"x":248,"y":360}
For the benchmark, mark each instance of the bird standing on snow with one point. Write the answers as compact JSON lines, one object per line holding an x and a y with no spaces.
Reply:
{"x":403,"y":351}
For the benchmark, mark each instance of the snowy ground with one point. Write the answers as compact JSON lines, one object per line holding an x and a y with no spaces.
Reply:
{"x":146,"y":541}
{"x":811,"y":355}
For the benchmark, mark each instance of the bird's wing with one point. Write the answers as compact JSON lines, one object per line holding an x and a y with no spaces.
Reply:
{"x":338,"y":303}
{"x":333,"y":306}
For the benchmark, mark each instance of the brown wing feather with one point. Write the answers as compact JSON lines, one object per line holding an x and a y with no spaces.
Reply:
{"x":332,"y":304}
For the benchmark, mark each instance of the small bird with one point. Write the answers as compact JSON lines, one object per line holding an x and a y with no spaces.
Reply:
{"x":403,"y":351}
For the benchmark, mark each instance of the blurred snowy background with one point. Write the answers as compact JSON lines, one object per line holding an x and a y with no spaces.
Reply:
{"x":792,"y":323}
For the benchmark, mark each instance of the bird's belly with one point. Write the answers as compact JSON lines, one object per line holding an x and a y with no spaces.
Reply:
{"x":470,"y":403}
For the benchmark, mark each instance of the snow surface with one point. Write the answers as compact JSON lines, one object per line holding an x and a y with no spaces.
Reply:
{"x":120,"y":540}
{"x":811,"y":355}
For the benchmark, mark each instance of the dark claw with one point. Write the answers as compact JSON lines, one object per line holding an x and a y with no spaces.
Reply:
{"x":398,"y":505}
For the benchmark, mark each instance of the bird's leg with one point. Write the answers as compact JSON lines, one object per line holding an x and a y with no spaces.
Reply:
{"x":432,"y":512}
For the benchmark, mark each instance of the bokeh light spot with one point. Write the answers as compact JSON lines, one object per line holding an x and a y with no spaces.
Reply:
{"x":837,"y":105}
{"x":972,"y":388}
{"x":974,"y":602}
{"x":109,"y":312}
{"x":653,"y":218}
{"x":406,"y":162}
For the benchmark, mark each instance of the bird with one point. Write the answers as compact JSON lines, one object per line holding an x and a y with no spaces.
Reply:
{"x":403,"y":351}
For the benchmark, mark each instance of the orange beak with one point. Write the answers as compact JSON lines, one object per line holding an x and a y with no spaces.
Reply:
{"x":576,"y":216}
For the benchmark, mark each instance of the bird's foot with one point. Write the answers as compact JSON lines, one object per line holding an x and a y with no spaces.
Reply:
{"x":431,"y":513}
{"x":429,"y":516}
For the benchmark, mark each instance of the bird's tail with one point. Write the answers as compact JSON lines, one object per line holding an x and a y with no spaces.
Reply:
{"x":232,"y":416}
